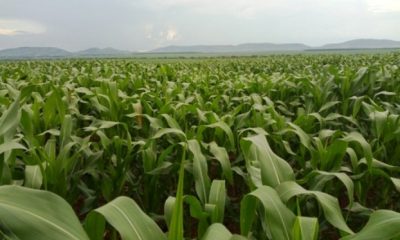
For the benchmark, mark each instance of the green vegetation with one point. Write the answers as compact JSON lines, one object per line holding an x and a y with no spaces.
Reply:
{"x":296,"y":147}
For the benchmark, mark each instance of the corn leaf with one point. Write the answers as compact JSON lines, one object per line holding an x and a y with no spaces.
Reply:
{"x":36,"y":214}
{"x":278,"y":217}
{"x":382,"y":225}
{"x":130,"y":221}
{"x":329,"y":204}
{"x":274,"y":170}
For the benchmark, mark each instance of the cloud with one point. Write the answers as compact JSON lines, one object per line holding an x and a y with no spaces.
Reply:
{"x":161,"y":34}
{"x":148,"y":31}
{"x":8,"y":32}
{"x":255,"y":8}
{"x":11,"y":27}
{"x":383,"y":6}
{"x":239,"y":8}
{"x":251,"y":9}
{"x":171,"y":34}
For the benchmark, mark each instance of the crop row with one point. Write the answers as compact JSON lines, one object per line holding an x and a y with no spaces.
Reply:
{"x":278,"y":147}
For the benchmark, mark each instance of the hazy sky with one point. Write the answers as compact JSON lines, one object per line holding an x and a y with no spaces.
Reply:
{"x":147,"y":24}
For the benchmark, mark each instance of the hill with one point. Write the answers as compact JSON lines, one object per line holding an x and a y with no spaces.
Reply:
{"x":33,"y":52}
{"x":102,"y":52}
{"x":363,"y":44}
{"x":246,"y":47}
{"x":52,"y":52}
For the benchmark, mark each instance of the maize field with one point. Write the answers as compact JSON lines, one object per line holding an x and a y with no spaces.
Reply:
{"x":282,"y":147}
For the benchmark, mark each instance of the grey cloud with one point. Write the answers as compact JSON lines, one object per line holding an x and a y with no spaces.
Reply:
{"x":124,"y":24}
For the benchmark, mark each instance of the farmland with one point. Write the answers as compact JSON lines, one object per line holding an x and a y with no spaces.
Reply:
{"x":280,"y":147}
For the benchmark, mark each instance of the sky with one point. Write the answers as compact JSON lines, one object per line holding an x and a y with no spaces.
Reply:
{"x":139,"y":25}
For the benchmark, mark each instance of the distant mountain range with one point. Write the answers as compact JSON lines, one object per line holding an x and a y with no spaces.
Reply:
{"x":363,"y":44}
{"x":102,"y":51}
{"x":51,"y":52}
{"x":271,"y":47}
{"x":33,"y":52}
{"x":247,"y":47}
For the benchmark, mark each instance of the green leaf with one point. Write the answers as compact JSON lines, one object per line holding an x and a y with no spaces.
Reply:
{"x":54,"y":132}
{"x":346,"y":180}
{"x":384,"y":93}
{"x":202,"y":181}
{"x":328,"y":105}
{"x":304,"y":138}
{"x":176,"y":217}
{"x":9,"y":120}
{"x":106,"y":124}
{"x":84,"y":91}
{"x":396,"y":183}
{"x":66,"y":130}
{"x":224,"y":127}
{"x":10,"y":146}
{"x":174,"y":131}
{"x":329,"y":204}
{"x":172,"y":123}
{"x":278,"y":217}
{"x":33,"y":176}
{"x":196,"y":211}
{"x":274,"y":170}
{"x":305,"y":228}
{"x":358,"y":138}
{"x":217,"y":231}
{"x":36,"y":214}
{"x":95,"y":225}
{"x":217,"y":198}
{"x":382,"y":225}
{"x":222,"y":157}
{"x":130,"y":221}
{"x":379,"y":164}
{"x":380,"y":120}
{"x":169,"y":206}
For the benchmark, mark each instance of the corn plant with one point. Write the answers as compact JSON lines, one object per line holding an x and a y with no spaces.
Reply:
{"x":300,"y":147}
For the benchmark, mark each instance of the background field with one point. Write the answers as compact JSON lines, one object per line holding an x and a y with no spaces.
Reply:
{"x":301,"y":146}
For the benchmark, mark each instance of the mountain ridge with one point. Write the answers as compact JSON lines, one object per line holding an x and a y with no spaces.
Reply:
{"x":53,"y":52}
{"x":363,"y":43}
{"x":245,"y":47}
{"x":34,"y":52}
{"x":102,"y":51}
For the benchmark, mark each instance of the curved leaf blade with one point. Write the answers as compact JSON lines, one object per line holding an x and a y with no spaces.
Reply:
{"x":217,"y":231}
{"x":130,"y":221}
{"x":274,"y":170}
{"x":202,"y":181}
{"x":305,"y":228}
{"x":382,"y":225}
{"x":9,"y":120}
{"x":37,"y":214}
{"x":278,"y":217}
{"x":329,"y":204}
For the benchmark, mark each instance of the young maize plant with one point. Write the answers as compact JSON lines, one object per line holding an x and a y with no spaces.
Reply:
{"x":283,"y":147}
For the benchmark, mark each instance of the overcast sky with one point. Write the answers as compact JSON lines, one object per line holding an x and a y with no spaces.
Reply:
{"x":147,"y":24}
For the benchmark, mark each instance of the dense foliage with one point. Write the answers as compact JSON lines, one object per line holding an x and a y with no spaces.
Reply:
{"x":277,"y":147}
